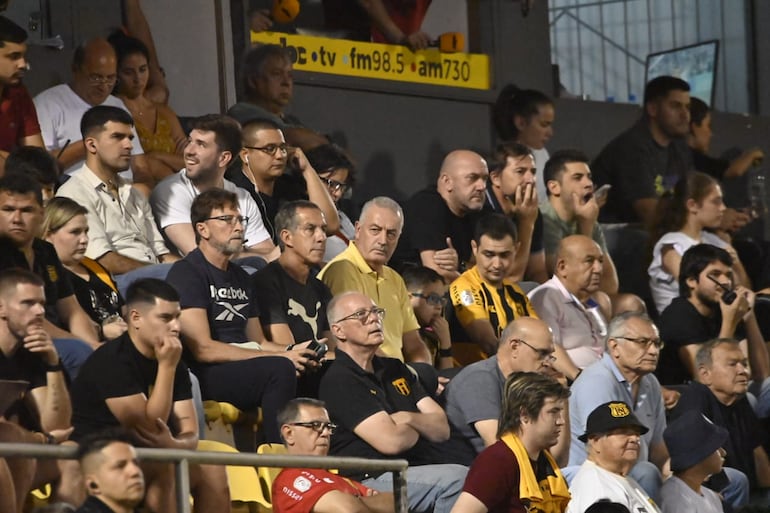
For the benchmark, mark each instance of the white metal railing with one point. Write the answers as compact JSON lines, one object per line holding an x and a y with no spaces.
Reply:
{"x":183,"y":458}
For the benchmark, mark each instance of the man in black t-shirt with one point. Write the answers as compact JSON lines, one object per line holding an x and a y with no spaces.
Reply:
{"x":292,"y":301}
{"x":700,"y":314}
{"x":720,"y":394}
{"x":439,"y":222}
{"x":382,"y":411}
{"x":41,"y":412}
{"x":137,"y":382}
{"x":21,"y":215}
{"x":649,"y":158}
{"x":274,"y":173}
{"x":224,"y":342}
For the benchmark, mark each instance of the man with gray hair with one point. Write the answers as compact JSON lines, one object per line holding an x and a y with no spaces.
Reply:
{"x":292,"y":302}
{"x":722,"y":371}
{"x":382,"y":411}
{"x":362,"y":267}
{"x":625,"y":373}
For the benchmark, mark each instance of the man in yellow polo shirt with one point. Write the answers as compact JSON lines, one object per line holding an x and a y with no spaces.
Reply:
{"x":362,"y":267}
{"x":484,"y":300}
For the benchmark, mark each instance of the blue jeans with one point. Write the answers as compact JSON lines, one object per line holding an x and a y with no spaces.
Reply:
{"x":429,"y":487}
{"x":737,"y":492}
{"x":123,"y":281}
{"x":73,"y":353}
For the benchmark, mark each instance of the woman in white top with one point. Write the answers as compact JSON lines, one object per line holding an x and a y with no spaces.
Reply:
{"x":526,"y":116}
{"x":695,"y":207}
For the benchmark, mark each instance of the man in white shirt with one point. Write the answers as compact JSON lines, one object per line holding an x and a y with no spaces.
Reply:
{"x":566,"y":302}
{"x":60,"y":108}
{"x":213,"y":143}
{"x":122,"y":231}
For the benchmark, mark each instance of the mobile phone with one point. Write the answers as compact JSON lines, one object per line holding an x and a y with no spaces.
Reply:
{"x":601,"y":193}
{"x":318,"y":348}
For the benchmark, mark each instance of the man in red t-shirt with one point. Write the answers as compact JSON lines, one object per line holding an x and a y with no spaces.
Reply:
{"x":306,"y":430}
{"x":18,"y":119}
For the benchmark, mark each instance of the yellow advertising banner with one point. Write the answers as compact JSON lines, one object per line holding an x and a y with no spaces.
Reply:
{"x":387,"y":62}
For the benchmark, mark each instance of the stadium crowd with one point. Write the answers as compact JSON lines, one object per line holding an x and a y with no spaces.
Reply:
{"x":481,"y":330}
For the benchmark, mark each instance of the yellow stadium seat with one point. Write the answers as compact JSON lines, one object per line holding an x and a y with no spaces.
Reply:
{"x":245,"y":490}
{"x":268,"y":474}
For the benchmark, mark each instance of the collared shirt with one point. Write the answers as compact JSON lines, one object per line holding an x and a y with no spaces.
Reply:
{"x":349,"y":271}
{"x":578,"y":328}
{"x":353,"y":394}
{"x":60,"y":109}
{"x":123,"y":224}
{"x":172,"y":199}
{"x":602,"y":382}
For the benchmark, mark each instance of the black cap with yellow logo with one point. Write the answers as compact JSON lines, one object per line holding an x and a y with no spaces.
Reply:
{"x":609,"y":416}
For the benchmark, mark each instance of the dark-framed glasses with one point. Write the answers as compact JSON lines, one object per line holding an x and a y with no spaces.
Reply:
{"x":232,"y":220}
{"x":334,"y":185}
{"x":317,"y":425}
{"x":363,"y":315}
{"x":542,"y":354}
{"x":270,"y":149}
{"x":644,"y":342}
{"x":432,"y":299}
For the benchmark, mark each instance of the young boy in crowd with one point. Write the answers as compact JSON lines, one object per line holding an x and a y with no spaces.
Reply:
{"x":427,"y":291}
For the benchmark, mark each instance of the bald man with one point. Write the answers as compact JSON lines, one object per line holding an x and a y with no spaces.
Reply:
{"x":439,"y":220}
{"x":59,"y":108}
{"x":474,"y":396}
{"x":567,"y":303}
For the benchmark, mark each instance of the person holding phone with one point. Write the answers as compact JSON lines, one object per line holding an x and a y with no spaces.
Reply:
{"x":572,"y":208}
{"x":700,"y":313}
{"x":695,"y":208}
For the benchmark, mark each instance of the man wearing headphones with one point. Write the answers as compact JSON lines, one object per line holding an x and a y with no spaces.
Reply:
{"x":112,"y":474}
{"x":275,"y":173}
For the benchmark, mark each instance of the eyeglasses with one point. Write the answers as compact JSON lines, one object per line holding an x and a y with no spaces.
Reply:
{"x":542,"y":354}
{"x":101,"y":79}
{"x":645,"y":342}
{"x":334,"y":185}
{"x":431,"y":299}
{"x":363,"y":315}
{"x":317,"y":425}
{"x":229,"y":219}
{"x":270,"y":149}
